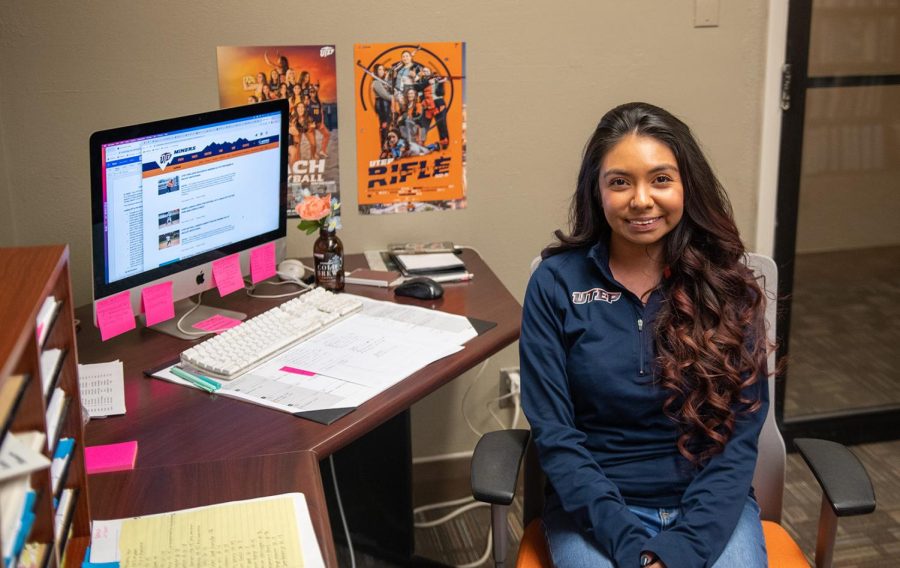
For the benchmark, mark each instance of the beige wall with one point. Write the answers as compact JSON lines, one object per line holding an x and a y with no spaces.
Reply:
{"x":540,"y":74}
{"x":7,"y":219}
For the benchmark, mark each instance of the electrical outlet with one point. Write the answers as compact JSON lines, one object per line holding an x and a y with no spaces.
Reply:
{"x":508,"y":376}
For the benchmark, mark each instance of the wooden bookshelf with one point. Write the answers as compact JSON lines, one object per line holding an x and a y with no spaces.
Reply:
{"x":29,"y":276}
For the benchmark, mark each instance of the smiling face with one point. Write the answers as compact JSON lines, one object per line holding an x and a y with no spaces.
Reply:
{"x":641,"y":194}
{"x":392,"y":139}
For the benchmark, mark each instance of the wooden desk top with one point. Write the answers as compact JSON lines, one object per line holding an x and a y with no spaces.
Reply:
{"x":177,"y":426}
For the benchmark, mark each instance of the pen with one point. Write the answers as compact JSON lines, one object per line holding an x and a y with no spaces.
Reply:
{"x":201,"y":376}
{"x":198,"y":382}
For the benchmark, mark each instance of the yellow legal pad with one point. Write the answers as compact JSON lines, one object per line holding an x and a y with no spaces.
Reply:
{"x":258,"y":533}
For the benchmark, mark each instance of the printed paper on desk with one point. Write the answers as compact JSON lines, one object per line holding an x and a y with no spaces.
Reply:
{"x":434,"y":324}
{"x":102,"y":387}
{"x":234,"y":533}
{"x":114,"y":315}
{"x":227,"y":274}
{"x":349,"y":363}
{"x":363,"y":351}
{"x":262,"y":262}
{"x":157,"y":303}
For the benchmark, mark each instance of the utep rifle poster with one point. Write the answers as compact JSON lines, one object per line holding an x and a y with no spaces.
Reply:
{"x":306,"y":76}
{"x":410,"y":127}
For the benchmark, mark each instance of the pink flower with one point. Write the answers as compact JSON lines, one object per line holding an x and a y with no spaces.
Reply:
{"x":313,"y":208}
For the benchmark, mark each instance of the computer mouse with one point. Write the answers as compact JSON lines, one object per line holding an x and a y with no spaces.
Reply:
{"x":421,"y":288}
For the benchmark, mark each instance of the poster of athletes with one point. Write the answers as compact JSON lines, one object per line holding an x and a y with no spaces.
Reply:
{"x":305,"y":75}
{"x":410,"y":127}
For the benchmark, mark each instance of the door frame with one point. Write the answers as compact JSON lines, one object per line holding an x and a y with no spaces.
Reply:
{"x":853,"y":425}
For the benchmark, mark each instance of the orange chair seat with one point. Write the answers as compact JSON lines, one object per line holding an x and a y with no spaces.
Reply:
{"x":533,"y":552}
{"x":783,"y":551}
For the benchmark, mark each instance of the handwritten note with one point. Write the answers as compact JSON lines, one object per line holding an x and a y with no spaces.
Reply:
{"x":157,"y":303}
{"x":114,"y":315}
{"x":227,"y":274}
{"x":262,"y":262}
{"x":102,"y":387}
{"x":217,"y":323}
{"x":260,"y":533}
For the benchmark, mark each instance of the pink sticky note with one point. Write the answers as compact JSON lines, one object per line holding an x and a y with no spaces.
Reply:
{"x":297,"y":371}
{"x":227,"y":274}
{"x":262,"y":262}
{"x":217,"y":323}
{"x":111,"y":457}
{"x":157,"y":303}
{"x":114,"y":315}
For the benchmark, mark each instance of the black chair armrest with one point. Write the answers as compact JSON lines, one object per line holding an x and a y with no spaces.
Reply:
{"x":843,"y":478}
{"x":496,"y":463}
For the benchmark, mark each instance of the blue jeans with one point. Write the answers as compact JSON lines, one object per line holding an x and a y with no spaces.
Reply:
{"x":572,"y":548}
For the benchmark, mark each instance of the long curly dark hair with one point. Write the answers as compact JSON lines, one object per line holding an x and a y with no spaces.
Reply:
{"x":709,"y":341}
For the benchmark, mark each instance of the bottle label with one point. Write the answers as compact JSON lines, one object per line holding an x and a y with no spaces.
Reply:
{"x":328,"y":268}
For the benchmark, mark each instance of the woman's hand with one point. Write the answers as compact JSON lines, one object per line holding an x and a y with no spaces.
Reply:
{"x":657,"y":564}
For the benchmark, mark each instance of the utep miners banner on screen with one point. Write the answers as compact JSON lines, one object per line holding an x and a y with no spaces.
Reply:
{"x":410,"y":127}
{"x":305,"y":75}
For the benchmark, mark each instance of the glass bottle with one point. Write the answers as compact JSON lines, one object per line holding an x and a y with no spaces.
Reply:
{"x":328,"y":254}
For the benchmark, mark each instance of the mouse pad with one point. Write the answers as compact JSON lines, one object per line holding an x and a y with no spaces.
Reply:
{"x":481,"y":326}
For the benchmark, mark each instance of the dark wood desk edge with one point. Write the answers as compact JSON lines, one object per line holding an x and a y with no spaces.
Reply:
{"x":167,"y":488}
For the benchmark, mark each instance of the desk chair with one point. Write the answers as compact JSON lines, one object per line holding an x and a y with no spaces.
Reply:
{"x":846,"y":488}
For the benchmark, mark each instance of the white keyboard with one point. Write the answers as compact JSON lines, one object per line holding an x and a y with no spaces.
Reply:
{"x":260,"y":338}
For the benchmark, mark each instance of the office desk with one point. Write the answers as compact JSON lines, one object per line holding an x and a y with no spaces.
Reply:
{"x":175,"y":425}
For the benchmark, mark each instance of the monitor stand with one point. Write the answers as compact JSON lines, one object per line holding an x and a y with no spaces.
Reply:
{"x":170,"y":327}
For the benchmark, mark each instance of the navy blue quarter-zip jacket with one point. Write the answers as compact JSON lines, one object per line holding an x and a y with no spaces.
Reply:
{"x":586,"y":353}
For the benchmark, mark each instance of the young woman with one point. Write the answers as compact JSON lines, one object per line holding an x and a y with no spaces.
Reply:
{"x":410,"y":117}
{"x":643,"y":361}
{"x":295,"y":97}
{"x":260,"y":81}
{"x":381,"y":90}
{"x":315,"y":112}
{"x":265,"y":93}
{"x":298,"y":127}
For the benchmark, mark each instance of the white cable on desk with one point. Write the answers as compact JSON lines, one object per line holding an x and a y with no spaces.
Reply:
{"x":462,"y":404}
{"x":472,"y":505}
{"x":485,"y":556}
{"x":461,"y":501}
{"x":452,"y":514}
{"x":189,"y":312}
{"x":304,"y":287}
{"x":337,"y":493}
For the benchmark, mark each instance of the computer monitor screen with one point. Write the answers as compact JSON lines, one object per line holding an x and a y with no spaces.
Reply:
{"x":170,"y":197}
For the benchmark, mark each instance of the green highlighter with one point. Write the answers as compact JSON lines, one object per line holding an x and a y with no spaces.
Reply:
{"x":198,"y":381}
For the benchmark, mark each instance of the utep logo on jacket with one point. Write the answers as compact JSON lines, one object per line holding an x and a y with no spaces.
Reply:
{"x":595,"y":295}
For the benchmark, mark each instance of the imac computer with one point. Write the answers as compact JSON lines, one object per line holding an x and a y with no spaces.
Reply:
{"x":170,"y":197}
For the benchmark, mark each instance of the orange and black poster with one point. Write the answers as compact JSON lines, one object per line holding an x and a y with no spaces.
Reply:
{"x":305,"y":75}
{"x":410,"y":127}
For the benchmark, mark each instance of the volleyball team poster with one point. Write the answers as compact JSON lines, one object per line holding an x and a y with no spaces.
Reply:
{"x":306,"y":76}
{"x":410,"y":127}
